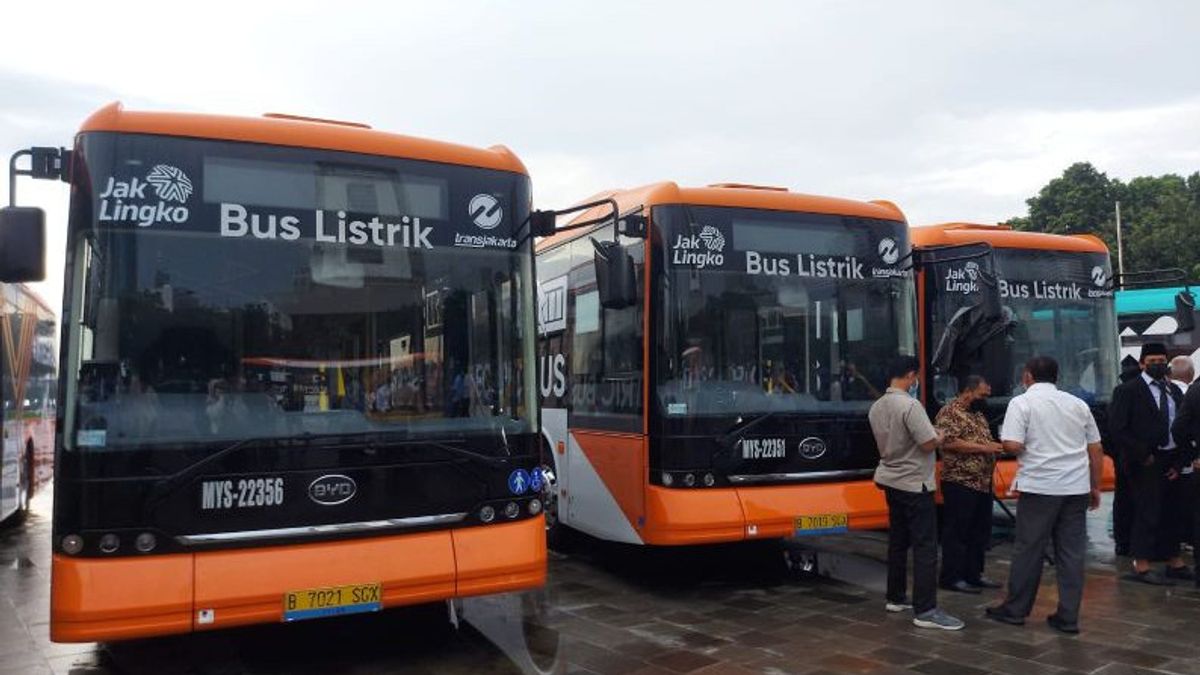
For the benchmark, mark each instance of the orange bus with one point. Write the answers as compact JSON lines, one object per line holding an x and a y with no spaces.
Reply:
{"x":293,"y":374}
{"x":707,"y":362}
{"x":27,"y":368}
{"x":999,"y":297}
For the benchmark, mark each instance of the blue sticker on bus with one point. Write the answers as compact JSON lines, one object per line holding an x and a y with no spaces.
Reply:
{"x":536,"y":481}
{"x":518,"y":481}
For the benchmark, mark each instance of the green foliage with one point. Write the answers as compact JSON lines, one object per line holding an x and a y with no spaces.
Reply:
{"x":1160,"y":215}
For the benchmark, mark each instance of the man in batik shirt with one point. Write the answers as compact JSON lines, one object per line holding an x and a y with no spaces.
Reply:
{"x":968,"y":460}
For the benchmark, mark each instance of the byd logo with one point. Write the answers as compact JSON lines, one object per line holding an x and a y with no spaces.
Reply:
{"x":332,"y":490}
{"x":813,"y":448}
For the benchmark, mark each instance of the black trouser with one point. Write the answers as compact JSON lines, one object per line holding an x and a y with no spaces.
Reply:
{"x":966,"y":528}
{"x":1040,"y":519}
{"x":912,"y":523}
{"x":1155,"y":533}
{"x":1122,"y":510}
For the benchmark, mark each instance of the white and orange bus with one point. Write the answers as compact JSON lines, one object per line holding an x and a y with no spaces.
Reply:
{"x":293,"y":374}
{"x":27,"y":369}
{"x":706,"y":365}
{"x":1002,"y":296}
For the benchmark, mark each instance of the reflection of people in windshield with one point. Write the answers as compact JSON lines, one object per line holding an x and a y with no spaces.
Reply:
{"x":780,"y":381}
{"x":692,"y":360}
{"x":853,"y":385}
{"x":224,"y":409}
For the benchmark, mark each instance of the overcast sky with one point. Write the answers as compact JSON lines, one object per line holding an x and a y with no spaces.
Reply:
{"x":953,"y":110}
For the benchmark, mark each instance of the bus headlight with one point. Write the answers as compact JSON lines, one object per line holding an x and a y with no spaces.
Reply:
{"x":109,"y":543}
{"x":487,"y":514}
{"x":511,"y":510}
{"x":667,"y":479}
{"x":72,"y":544}
{"x":535,"y":507}
{"x":145,"y":542}
{"x":689,"y":480}
{"x":709,"y":480}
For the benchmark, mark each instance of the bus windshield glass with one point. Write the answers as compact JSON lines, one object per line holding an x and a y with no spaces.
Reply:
{"x":771,"y":311}
{"x":1055,"y":303}
{"x":220,"y":291}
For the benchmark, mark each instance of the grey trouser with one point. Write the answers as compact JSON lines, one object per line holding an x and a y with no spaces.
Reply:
{"x":1040,"y":519}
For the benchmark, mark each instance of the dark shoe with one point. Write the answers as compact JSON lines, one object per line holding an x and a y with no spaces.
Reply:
{"x":998,"y":614}
{"x":1180,"y":573}
{"x":985,"y":582}
{"x":1062,"y":626}
{"x":1149,"y":577}
{"x":962,"y":587}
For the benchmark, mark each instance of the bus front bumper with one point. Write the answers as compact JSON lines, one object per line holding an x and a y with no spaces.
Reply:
{"x":679,"y":517}
{"x":106,"y":599}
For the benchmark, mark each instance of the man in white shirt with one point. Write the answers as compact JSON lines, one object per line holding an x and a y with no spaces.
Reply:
{"x":1059,"y":464}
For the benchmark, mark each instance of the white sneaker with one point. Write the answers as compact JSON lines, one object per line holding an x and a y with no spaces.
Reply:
{"x":895,"y":607}
{"x":936,"y":618}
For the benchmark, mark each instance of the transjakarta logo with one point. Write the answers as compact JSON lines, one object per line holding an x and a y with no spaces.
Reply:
{"x":1099,"y":276}
{"x":485,"y":211}
{"x":763,"y":448}
{"x":889,"y":253}
{"x":126,"y":201}
{"x":706,"y":249}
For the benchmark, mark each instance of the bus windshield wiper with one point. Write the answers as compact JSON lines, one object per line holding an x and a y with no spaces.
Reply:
{"x":730,"y":438}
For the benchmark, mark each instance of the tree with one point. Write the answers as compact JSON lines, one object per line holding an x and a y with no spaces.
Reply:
{"x":1160,"y":215}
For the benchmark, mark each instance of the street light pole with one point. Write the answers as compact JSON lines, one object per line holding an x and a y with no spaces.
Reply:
{"x":1120,"y":250}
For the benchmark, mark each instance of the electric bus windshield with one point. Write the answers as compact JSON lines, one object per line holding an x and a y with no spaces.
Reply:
{"x":771,"y":311}
{"x":232,"y":291}
{"x":1054,"y":303}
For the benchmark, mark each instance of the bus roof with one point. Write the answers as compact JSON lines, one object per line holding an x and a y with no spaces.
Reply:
{"x":1003,"y":236}
{"x":739,"y":195}
{"x":303,"y":132}
{"x":1148,"y":300}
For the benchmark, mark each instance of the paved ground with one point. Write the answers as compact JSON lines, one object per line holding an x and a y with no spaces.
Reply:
{"x":612,"y":610}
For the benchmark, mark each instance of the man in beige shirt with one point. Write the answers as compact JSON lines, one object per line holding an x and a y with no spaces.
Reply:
{"x":907,"y":443}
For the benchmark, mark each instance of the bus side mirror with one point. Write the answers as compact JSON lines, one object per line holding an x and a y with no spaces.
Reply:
{"x":22,"y":244}
{"x":616,"y":281}
{"x":1185,"y":311}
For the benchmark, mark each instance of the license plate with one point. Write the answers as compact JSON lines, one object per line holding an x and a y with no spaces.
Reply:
{"x":822,"y":523}
{"x":315,"y":603}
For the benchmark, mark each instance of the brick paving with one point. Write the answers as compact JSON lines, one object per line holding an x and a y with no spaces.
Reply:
{"x":614,"y":611}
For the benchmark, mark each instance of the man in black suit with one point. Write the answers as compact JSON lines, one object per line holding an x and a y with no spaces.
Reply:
{"x":1140,"y":418}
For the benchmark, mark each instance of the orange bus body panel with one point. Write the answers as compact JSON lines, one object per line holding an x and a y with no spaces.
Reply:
{"x":773,"y":509}
{"x":620,"y":462}
{"x":495,"y":559}
{"x":246,"y":586}
{"x":999,"y":236}
{"x":709,"y":516}
{"x":700,"y":516}
{"x":300,"y":133}
{"x":121,"y":598}
{"x":1006,"y":471}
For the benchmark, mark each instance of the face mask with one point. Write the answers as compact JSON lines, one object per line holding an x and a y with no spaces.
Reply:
{"x":914,"y":391}
{"x":1157,"y":371}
